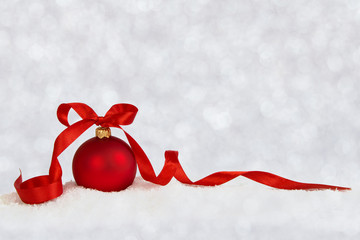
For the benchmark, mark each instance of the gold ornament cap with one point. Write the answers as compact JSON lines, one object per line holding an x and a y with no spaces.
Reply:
{"x":103,"y":132}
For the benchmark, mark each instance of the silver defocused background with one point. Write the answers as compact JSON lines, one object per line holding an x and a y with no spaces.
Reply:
{"x":232,"y":85}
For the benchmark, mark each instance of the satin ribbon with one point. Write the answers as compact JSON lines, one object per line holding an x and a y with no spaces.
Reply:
{"x":44,"y":188}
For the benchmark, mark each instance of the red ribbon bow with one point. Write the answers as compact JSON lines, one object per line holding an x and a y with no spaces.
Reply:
{"x":44,"y":188}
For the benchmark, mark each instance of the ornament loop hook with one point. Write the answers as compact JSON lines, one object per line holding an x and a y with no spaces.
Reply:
{"x":103,"y":132}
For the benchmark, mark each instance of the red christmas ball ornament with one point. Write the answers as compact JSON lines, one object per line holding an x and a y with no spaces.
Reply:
{"x":105,"y":163}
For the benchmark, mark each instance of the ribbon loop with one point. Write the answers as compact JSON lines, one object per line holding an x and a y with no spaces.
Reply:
{"x":44,"y":188}
{"x":83,"y":110}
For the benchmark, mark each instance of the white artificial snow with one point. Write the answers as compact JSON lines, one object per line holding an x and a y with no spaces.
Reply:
{"x":236,"y":210}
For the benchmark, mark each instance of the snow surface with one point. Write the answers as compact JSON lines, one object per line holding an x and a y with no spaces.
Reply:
{"x":240,"y":210}
{"x":232,"y":85}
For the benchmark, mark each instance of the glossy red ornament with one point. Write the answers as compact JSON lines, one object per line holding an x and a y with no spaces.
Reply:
{"x":106,"y":164}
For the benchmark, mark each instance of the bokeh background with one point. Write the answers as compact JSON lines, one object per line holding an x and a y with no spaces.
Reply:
{"x":232,"y":85}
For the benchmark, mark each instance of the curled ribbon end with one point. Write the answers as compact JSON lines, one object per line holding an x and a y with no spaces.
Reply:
{"x":18,"y":181}
{"x":38,"y":189}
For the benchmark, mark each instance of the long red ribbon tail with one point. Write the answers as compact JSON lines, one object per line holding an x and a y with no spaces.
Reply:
{"x":172,"y":168}
{"x":44,"y":188}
